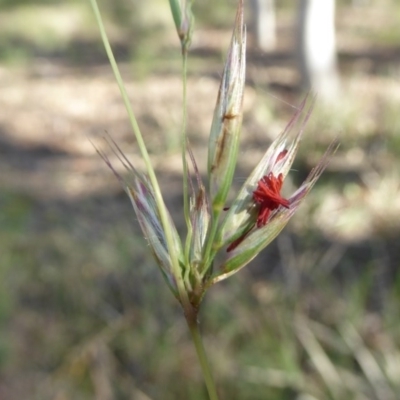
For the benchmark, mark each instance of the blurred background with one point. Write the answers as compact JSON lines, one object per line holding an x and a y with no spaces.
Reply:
{"x":84,"y":311}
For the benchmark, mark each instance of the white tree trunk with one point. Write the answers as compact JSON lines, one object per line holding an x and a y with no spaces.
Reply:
{"x":317,"y":47}
{"x":264,"y":23}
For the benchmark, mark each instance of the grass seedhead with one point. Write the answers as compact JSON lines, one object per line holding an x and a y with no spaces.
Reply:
{"x":258,"y":213}
{"x":226,"y":126}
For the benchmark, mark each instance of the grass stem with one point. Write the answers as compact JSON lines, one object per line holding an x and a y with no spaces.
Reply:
{"x":143,"y":150}
{"x":184,"y":144}
{"x":202,"y":356}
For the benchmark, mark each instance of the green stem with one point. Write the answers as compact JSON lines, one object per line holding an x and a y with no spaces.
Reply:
{"x":143,"y":150}
{"x":184,"y":141}
{"x":193,"y":325}
{"x":212,"y":245}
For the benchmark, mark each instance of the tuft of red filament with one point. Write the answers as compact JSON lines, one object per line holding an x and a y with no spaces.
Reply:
{"x":268,"y":197}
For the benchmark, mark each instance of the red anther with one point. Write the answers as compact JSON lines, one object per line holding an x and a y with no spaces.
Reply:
{"x":268,"y":196}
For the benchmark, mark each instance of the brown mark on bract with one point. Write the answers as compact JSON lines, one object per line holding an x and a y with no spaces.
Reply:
{"x":220,"y":148}
{"x":229,"y":116}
